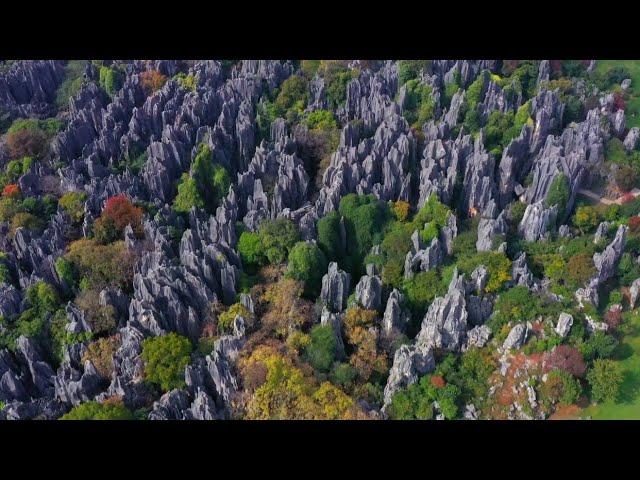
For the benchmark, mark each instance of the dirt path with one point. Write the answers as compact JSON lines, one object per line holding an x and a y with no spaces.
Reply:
{"x":607,"y":201}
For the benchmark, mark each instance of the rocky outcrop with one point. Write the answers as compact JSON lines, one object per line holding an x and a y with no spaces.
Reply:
{"x":477,"y":337}
{"x":606,"y":261}
{"x":516,"y":338}
{"x":335,"y":288}
{"x":631,"y":140}
{"x":409,"y":364}
{"x":565,"y":321}
{"x":634,"y":293}
{"x":369,"y":292}
{"x":520,"y":272}
{"x":491,"y":232}
{"x":395,"y":317}
{"x":76,"y":381}
{"x":28,"y":88}
{"x":445,"y":323}
{"x":601,"y":232}
{"x":536,"y":221}
{"x":424,"y":259}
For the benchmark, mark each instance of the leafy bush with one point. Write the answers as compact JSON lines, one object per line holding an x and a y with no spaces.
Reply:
{"x":580,"y":268}
{"x":292,"y":98}
{"x":421,"y":289}
{"x":586,"y":218}
{"x":281,"y":391}
{"x":626,"y":178}
{"x":98,"y":411}
{"x":329,"y":236}
{"x":418,"y":106}
{"x":308,"y":264}
{"x":560,"y":387}
{"x":278,"y":237}
{"x":409,"y":70}
{"x":321,"y":119}
{"x":226,"y":318}
{"x":205,"y":186}
{"x":251,"y":250}
{"x":188,"y":195}
{"x":73,"y":203}
{"x":188,"y":82}
{"x":416,"y":401}
{"x":321,"y":351}
{"x":151,"y":81}
{"x":101,"y":265}
{"x":25,"y":220}
{"x":165,"y":359}
{"x":565,"y":358}
{"x":336,"y":76}
{"x":27,"y":143}
{"x":365,"y":218}
{"x":73,"y":80}
{"x":605,"y":379}
{"x":558,"y":193}
{"x":110,"y":80}
{"x":100,"y":318}
{"x":100,"y":353}
{"x":498,"y":267}
{"x":116,"y":215}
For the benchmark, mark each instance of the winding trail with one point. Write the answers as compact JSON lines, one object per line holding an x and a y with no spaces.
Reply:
{"x":607,"y":201}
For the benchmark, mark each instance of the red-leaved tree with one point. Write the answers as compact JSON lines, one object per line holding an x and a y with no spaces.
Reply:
{"x":152,"y":80}
{"x":566,"y":358}
{"x":118,"y":212}
{"x":11,"y":190}
{"x":634,"y":224}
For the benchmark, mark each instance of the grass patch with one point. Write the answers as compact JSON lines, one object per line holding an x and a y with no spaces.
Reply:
{"x":628,"y":405}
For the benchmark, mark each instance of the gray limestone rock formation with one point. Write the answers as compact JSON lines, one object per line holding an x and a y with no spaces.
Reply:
{"x":477,"y":337}
{"x":634,"y":290}
{"x":409,"y":364}
{"x":395,"y":316}
{"x":335,"y":288}
{"x":536,"y":221}
{"x":516,"y":338}
{"x":601,"y":232}
{"x":565,"y":321}
{"x":631,"y":140}
{"x":445,"y":323}
{"x":491,"y":232}
{"x":369,"y":292}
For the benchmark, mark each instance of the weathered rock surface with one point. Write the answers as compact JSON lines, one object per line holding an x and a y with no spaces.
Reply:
{"x":335,"y":288}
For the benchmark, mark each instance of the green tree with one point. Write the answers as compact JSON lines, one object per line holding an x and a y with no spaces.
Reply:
{"x":585,"y":218}
{"x":605,"y":379}
{"x":110,"y":80}
{"x":212,"y":180}
{"x":66,"y":271}
{"x":292,"y":98}
{"x":165,"y":359}
{"x":329,"y":236}
{"x":251,"y":249}
{"x":321,"y":351}
{"x":73,"y":203}
{"x":188,"y":195}
{"x":98,"y":411}
{"x":558,"y":194}
{"x":421,"y":289}
{"x":278,"y":237}
{"x":410,"y":69}
{"x":365,"y":218}
{"x":308,"y":264}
